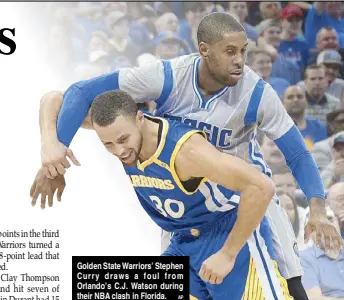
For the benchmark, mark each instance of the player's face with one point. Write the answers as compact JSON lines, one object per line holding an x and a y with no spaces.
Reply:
{"x":123,"y":138}
{"x":226,"y":58}
{"x":294,"y":100}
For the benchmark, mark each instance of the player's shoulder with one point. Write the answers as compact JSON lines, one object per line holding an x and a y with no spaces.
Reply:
{"x":185,"y":140}
{"x":176,"y":126}
{"x":250,"y":76}
{"x":178,"y":131}
{"x":184,"y":61}
{"x":157,"y":69}
{"x":248,"y":82}
{"x":153,"y":67}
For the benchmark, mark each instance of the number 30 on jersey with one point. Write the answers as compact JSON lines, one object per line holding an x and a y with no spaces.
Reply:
{"x":167,"y":210}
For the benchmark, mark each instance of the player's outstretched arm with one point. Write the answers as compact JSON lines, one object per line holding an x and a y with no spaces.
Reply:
{"x":147,"y":83}
{"x":275,"y":122}
{"x":53,"y":153}
{"x":198,"y":158}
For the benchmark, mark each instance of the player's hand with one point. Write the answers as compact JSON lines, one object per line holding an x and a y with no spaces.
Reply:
{"x":216,"y":267}
{"x":54,"y":159}
{"x":46,"y":188}
{"x":326,"y":235}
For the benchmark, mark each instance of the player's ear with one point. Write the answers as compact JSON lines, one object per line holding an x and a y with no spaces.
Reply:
{"x":139,"y":118}
{"x":203,"y":49}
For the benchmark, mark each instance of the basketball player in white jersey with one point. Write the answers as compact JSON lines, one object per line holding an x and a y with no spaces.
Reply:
{"x":215,"y":92}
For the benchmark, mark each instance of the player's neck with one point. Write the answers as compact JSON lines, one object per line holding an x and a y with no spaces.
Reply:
{"x":150,"y":133}
{"x":206,"y":82}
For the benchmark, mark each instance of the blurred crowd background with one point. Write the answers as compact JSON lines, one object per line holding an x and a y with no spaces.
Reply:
{"x":297,"y":47}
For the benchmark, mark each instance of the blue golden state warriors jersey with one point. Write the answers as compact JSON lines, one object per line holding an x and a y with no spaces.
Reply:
{"x":163,"y":195}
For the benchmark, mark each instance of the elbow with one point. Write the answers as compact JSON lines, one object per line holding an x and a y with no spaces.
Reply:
{"x":52,"y":97}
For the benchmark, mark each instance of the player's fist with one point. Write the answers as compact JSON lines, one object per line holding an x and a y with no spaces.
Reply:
{"x":216,"y":267}
{"x":46,"y":188}
{"x":54,"y":159}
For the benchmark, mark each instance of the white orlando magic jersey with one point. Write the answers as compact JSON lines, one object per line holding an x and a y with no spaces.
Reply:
{"x":230,"y":117}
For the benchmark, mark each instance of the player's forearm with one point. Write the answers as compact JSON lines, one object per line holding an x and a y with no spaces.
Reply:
{"x":77,"y":101}
{"x":317,"y":207}
{"x":308,"y":177}
{"x":301,"y":163}
{"x":252,"y":208}
{"x":49,"y":108}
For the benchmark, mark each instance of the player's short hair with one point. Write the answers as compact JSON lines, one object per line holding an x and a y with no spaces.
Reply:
{"x":108,"y":106}
{"x":213,"y":26}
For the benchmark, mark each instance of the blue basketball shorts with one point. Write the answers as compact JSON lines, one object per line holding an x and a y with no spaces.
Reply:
{"x":255,"y":274}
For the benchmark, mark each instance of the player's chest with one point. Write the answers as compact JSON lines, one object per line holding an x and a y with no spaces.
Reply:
{"x":223,"y":125}
{"x":160,"y":191}
{"x":224,"y":109}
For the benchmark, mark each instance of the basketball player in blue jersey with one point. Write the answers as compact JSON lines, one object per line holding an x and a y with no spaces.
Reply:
{"x":215,"y":92}
{"x":172,"y":167}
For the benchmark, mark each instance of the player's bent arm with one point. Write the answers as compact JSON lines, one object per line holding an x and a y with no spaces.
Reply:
{"x":143,"y":84}
{"x":198,"y":158}
{"x":275,"y":122}
{"x":50,"y":106}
